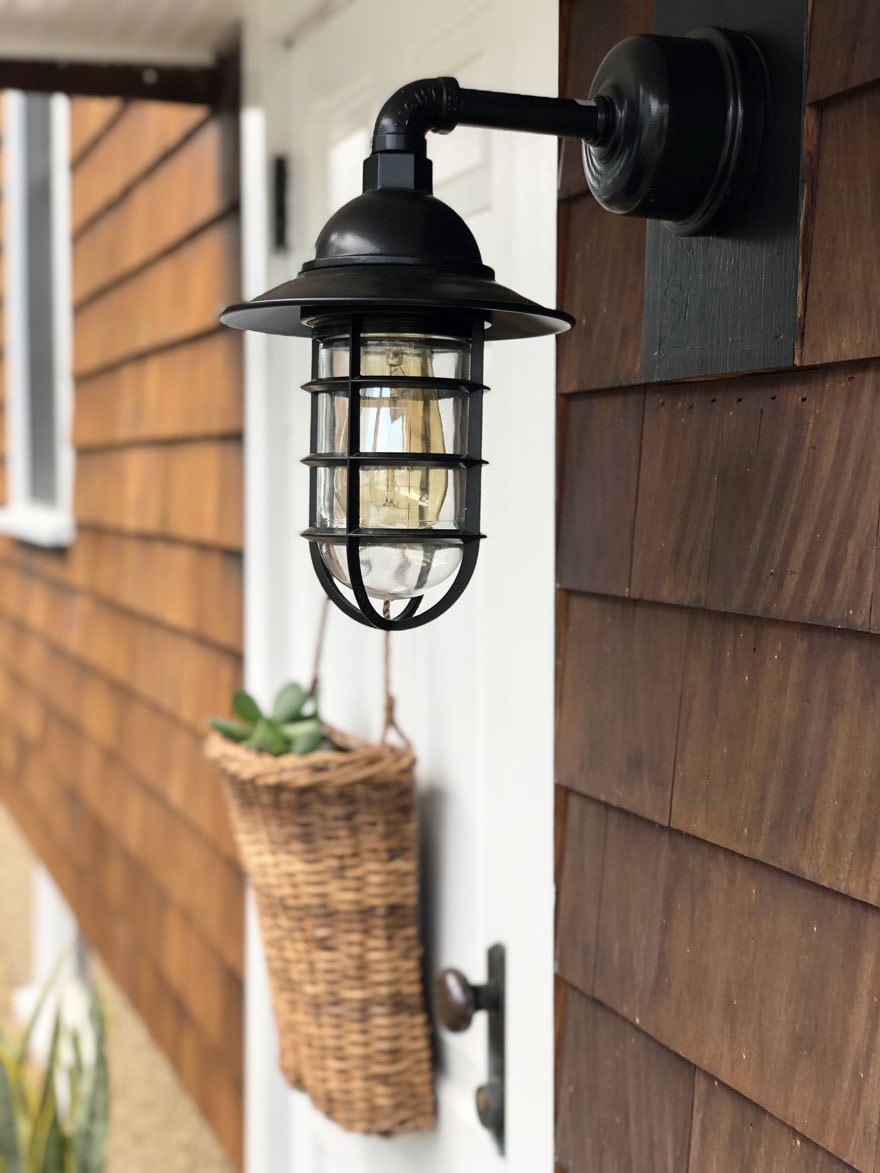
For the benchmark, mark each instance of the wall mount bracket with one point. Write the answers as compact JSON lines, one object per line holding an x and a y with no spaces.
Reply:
{"x":687,"y":127}
{"x":672,"y":129}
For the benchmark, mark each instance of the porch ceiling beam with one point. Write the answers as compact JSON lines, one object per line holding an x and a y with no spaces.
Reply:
{"x":200,"y":84}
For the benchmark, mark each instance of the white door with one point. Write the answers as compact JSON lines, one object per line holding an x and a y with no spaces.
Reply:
{"x":475,"y":689}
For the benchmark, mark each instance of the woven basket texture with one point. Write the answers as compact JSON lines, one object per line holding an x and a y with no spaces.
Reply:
{"x":328,"y":842}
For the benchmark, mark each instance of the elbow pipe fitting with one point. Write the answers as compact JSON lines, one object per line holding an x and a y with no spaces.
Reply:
{"x":430,"y":104}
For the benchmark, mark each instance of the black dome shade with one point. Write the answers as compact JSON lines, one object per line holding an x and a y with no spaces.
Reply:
{"x":399,"y":225}
{"x":395,"y":248}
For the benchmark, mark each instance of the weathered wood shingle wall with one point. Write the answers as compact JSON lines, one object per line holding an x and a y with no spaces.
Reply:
{"x":718,"y":932}
{"x":114,"y":652}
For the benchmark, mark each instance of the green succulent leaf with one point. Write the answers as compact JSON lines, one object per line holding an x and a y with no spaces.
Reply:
{"x":232,"y":730}
{"x":307,"y":742}
{"x":268,"y":738}
{"x":288,"y":703}
{"x":244,"y":706}
{"x":296,"y":729}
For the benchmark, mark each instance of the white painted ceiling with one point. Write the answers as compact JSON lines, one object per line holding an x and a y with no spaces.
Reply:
{"x":162,"y":31}
{"x":188,"y":32}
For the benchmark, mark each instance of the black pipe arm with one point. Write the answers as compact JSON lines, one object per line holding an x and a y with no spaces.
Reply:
{"x":440,"y":104}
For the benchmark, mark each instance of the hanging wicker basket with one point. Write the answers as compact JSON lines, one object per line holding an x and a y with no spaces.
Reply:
{"x":328,"y":842}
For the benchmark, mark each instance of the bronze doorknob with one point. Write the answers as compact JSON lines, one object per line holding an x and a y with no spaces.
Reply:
{"x":490,"y":1106}
{"x":456,"y":1000}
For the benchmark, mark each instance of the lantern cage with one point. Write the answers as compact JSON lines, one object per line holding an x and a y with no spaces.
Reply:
{"x":395,"y":462}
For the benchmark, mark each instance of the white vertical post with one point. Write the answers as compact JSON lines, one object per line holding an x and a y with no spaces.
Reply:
{"x":43,"y":523}
{"x":62,"y":301}
{"x":54,"y":929}
{"x":267,"y":1112}
{"x":15,"y":302}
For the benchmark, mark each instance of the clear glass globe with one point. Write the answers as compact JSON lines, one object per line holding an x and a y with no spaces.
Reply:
{"x":395,"y":571}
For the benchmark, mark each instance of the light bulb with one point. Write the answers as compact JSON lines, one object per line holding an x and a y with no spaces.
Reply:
{"x":400,"y":419}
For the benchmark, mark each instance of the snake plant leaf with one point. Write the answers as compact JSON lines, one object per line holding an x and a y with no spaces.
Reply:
{"x":232,"y":730}
{"x":37,"y":1133}
{"x":10,"y":1152}
{"x":288,"y":703}
{"x":53,"y":1156}
{"x":296,"y":729}
{"x":75,"y":1076}
{"x":244,"y":706}
{"x":307,"y":742}
{"x":15,"y":1075}
{"x":47,"y":1144}
{"x":46,"y":1153}
{"x":78,"y":1061}
{"x":47,"y":1093}
{"x":91,"y":1123}
{"x":268,"y":738}
{"x":98,"y":1020}
{"x":48,"y":987}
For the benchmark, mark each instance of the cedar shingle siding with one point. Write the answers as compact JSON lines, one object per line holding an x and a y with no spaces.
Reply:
{"x":718,"y":923}
{"x":113,"y":652}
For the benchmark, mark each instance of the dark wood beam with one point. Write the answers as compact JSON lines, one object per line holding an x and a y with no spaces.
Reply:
{"x":202,"y":84}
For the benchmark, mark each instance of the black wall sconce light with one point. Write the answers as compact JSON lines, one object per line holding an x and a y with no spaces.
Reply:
{"x":398,"y":303}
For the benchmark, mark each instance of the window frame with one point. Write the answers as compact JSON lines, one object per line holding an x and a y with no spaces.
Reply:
{"x":23,"y":516}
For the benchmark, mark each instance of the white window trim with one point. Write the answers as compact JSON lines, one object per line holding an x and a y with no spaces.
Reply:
{"x":22,"y":517}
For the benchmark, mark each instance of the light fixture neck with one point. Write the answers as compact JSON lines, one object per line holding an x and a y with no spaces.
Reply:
{"x":440,"y":104}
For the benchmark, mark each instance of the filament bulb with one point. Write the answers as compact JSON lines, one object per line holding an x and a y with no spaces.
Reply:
{"x":400,"y":420}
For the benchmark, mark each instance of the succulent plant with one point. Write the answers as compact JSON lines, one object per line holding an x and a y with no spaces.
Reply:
{"x":56,"y":1121}
{"x":292,"y":726}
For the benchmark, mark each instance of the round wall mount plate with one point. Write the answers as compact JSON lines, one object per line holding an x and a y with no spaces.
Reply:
{"x":686,"y":131}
